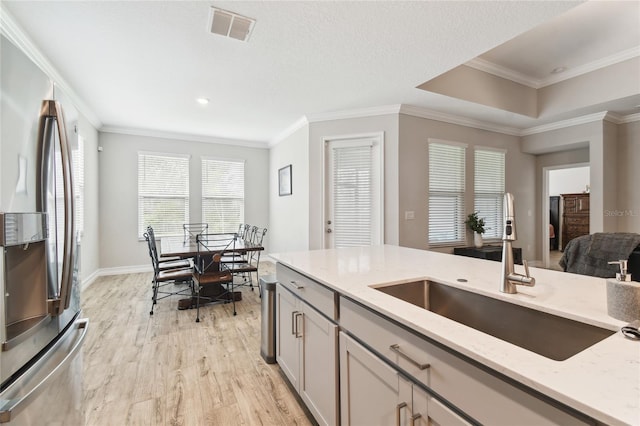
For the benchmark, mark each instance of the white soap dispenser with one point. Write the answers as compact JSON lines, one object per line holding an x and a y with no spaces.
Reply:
{"x":623,"y":295}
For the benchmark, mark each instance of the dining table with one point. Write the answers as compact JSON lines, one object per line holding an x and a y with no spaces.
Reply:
{"x":179,"y":246}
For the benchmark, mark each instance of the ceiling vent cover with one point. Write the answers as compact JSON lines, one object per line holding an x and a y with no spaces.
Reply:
{"x":229,"y":24}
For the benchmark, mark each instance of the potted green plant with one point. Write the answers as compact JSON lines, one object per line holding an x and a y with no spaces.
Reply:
{"x":476,"y":224}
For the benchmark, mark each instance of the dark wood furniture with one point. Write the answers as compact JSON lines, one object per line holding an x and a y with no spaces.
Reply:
{"x":177,"y":246}
{"x":575,"y":216}
{"x":634,"y":264}
{"x":488,"y":252}
{"x":554,"y":220}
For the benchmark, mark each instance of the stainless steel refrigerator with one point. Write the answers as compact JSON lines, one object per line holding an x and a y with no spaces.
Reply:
{"x":41,"y":328}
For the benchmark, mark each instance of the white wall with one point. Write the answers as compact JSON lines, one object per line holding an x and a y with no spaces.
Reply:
{"x":118,"y":190}
{"x":90,"y":243}
{"x":289,"y":215}
{"x":568,"y":181}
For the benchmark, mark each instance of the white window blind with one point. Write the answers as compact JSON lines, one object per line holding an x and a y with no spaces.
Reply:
{"x":222,"y":194}
{"x":163,"y":193}
{"x":489,"y":189}
{"x":446,"y":192}
{"x":353,"y":197}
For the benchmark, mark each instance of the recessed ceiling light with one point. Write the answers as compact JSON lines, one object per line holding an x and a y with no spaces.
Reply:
{"x":558,"y":70}
{"x":202,"y":101}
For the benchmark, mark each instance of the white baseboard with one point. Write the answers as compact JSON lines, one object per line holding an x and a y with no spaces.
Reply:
{"x":119,"y":270}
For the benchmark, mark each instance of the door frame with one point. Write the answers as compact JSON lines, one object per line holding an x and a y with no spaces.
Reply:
{"x":545,"y":206}
{"x":378,"y":138}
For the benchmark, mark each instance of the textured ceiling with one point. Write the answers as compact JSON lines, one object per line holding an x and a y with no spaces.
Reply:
{"x":141,"y":64}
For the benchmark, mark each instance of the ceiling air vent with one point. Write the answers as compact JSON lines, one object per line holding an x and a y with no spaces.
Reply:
{"x":229,"y":24}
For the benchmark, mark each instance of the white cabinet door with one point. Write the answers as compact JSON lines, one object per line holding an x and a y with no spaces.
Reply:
{"x":438,"y":413}
{"x":318,"y":381}
{"x":369,"y":388}
{"x":372,"y":393}
{"x":287,"y":342}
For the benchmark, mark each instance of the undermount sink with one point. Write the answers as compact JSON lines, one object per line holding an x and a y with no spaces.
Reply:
{"x":548,"y":335}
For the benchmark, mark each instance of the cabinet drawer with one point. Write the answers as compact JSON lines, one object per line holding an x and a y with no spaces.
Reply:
{"x":472,"y":389}
{"x":317,"y":295}
{"x":570,"y":205}
{"x":577,"y":220}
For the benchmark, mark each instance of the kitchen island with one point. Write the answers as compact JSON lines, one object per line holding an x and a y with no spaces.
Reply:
{"x":602,"y":382}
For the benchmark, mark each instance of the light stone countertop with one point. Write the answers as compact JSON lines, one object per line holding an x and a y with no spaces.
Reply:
{"x":603,"y":381}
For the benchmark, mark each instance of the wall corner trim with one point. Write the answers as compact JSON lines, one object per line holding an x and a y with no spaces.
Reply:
{"x":297,"y":125}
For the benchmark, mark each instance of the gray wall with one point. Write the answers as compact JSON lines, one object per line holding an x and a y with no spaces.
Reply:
{"x":613,"y":153}
{"x":118,"y":191}
{"x":289,"y":215}
{"x":414,"y":173}
{"x":629,"y":177}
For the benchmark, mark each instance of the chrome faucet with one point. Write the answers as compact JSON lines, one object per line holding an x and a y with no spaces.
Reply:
{"x":509,"y":278}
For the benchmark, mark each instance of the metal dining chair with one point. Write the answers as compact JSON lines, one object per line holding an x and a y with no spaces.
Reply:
{"x":191,"y":230}
{"x":169,"y":263}
{"x":210,"y":272}
{"x":251,"y":260}
{"x":162,"y":279}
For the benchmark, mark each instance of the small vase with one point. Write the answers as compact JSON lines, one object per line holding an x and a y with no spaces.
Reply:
{"x":477,"y":239}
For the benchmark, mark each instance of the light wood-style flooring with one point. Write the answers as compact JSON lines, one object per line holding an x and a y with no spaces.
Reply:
{"x":166,"y":369}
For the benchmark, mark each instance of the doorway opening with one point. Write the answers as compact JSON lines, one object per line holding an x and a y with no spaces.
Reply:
{"x":558,"y":180}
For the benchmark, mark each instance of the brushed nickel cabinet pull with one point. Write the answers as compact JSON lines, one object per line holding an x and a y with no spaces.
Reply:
{"x":298,"y":332}
{"x":296,"y":285}
{"x":294,"y":323}
{"x":414,"y":418}
{"x":398,"y":408}
{"x":396,"y":348}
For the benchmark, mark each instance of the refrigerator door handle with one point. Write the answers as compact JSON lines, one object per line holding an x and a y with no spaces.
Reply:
{"x":53,"y":109}
{"x":69,"y":211}
{"x":14,"y":407}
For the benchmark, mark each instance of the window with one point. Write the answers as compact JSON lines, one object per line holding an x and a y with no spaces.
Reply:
{"x":222,"y":194}
{"x":163,"y":193}
{"x":446,"y":192}
{"x":489,"y":189}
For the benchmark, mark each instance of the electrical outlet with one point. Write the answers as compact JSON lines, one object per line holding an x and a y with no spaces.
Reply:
{"x":409,"y":215}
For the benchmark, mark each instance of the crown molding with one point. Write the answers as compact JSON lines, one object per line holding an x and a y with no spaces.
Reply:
{"x":182,"y":136}
{"x":297,"y":125}
{"x":10,"y":29}
{"x":455,"y":119}
{"x":354,"y":113}
{"x":630,"y":118}
{"x":598,"y":116}
{"x":503,"y":72}
{"x":592,"y":66}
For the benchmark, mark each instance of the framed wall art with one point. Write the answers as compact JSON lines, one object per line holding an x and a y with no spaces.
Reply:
{"x":284,"y":181}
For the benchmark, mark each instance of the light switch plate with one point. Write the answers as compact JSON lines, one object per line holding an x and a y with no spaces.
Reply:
{"x":409,"y":215}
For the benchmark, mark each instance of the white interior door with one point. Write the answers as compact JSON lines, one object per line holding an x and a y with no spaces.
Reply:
{"x":353,"y":197}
